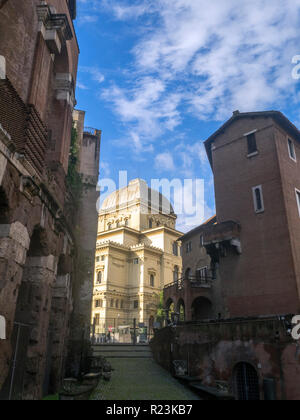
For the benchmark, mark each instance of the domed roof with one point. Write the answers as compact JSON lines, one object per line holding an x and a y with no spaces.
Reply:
{"x":137,"y":191}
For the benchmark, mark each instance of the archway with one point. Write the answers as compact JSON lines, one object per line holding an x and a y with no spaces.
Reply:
{"x":181,"y":310}
{"x":170,"y":308}
{"x":202,"y":309}
{"x":246,"y":382}
{"x":187,"y":274}
{"x":4,"y":208}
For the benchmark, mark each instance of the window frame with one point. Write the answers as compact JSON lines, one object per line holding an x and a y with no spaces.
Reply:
{"x":152,"y":280}
{"x":262,"y":209}
{"x":251,"y":153}
{"x":297,"y":192}
{"x":291,"y":143}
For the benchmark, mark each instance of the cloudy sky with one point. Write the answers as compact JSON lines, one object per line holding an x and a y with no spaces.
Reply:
{"x":160,"y":76}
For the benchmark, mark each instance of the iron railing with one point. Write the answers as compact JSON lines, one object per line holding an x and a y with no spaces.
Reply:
{"x":194,"y":281}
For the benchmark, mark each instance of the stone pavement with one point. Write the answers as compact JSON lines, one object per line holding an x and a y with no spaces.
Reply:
{"x":141,"y":379}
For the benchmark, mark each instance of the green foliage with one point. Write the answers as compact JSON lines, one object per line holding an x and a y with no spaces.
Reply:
{"x":160,"y":315}
{"x":74,"y":179}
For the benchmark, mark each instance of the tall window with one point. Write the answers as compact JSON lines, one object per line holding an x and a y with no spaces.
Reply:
{"x":201,"y":274}
{"x":292,"y":151}
{"x":136,"y":304}
{"x":152,"y":280}
{"x":150,"y":224}
{"x":98,"y":303}
{"x":176,"y":274}
{"x":251,"y":141}
{"x":112,"y":303}
{"x":189,"y":247}
{"x":109,"y":226}
{"x":298,"y":200}
{"x":258,"y":199}
{"x":97,"y":319}
{"x":175,"y":249}
{"x":126,"y":223}
{"x":99,"y":277}
{"x":201,"y":240}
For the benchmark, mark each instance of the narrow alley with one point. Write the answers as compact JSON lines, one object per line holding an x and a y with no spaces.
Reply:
{"x":137,"y":377}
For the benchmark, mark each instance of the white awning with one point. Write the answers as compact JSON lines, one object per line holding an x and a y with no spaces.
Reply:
{"x":2,"y":328}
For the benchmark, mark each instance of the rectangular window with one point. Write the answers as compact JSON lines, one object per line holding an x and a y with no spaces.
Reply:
{"x":97,"y":319}
{"x":201,"y":240}
{"x":175,"y":249}
{"x":252,"y":146}
{"x":136,"y":304}
{"x":98,"y":304}
{"x":201,"y":274}
{"x":189,"y":247}
{"x":292,"y":151}
{"x":136,"y":261}
{"x":298,"y":200}
{"x":258,"y":199}
{"x":152,"y":280}
{"x":112,"y":303}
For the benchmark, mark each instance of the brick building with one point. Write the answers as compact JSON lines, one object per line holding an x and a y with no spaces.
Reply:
{"x":254,"y":257}
{"x":41,"y":218}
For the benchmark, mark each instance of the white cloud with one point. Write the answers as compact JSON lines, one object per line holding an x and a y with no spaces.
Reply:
{"x":148,"y":109}
{"x":225,"y":55}
{"x":164,"y":162}
{"x":94,"y":72}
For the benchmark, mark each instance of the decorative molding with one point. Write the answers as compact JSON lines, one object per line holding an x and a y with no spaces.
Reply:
{"x":54,"y":27}
{"x":65,"y":88}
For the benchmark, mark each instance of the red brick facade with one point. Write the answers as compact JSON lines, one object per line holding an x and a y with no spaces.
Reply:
{"x":40,"y":222}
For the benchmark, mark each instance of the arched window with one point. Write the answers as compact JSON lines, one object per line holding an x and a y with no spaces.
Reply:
{"x":117,"y":224}
{"x":99,"y":277}
{"x":109,"y":226}
{"x":126,"y":222}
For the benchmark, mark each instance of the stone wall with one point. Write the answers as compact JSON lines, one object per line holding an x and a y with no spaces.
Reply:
{"x":213,"y":350}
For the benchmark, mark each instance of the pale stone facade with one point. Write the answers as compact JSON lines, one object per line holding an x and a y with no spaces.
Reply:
{"x":137,"y":255}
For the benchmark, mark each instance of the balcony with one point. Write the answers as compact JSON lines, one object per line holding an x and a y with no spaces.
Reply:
{"x":200,"y":281}
{"x":223,"y":235}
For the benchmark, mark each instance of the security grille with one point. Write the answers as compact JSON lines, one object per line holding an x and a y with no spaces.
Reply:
{"x":247,"y":383}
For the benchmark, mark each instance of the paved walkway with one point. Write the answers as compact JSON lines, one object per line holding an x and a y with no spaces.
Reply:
{"x":141,"y":379}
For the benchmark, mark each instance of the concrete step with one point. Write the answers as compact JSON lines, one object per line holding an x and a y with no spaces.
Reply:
{"x":122,"y":351}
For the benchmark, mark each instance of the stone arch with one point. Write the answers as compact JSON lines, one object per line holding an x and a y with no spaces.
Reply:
{"x":4,"y":208}
{"x":170,"y":308}
{"x":187,"y":273}
{"x":181,"y":310}
{"x":39,"y":243}
{"x":246,"y":382}
{"x":62,"y":62}
{"x":34,"y":309}
{"x":202,"y":309}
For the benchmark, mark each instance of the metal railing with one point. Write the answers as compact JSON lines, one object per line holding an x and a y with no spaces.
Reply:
{"x":194,"y":281}
{"x":90,"y":130}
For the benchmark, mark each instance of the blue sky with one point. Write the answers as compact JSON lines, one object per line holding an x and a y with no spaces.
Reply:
{"x":158,"y":77}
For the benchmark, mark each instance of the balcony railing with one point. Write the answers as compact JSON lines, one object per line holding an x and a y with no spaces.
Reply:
{"x":204,"y":281}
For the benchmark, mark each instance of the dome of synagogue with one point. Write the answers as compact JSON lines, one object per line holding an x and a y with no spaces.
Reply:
{"x":137,"y":192}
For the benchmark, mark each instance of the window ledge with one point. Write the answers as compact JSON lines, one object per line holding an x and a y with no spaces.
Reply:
{"x":252,"y":155}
